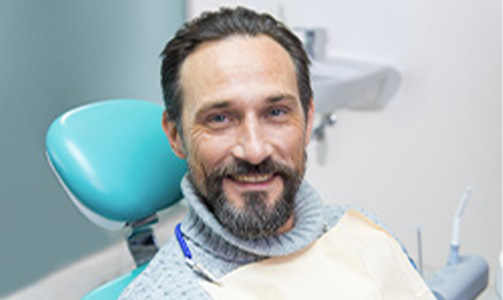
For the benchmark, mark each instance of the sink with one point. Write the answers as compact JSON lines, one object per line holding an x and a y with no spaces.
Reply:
{"x":348,"y":83}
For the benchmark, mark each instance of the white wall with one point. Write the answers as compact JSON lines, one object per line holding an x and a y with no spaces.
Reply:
{"x":410,"y":162}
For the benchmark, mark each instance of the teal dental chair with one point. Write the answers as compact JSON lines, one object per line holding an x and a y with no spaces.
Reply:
{"x":116,"y":164}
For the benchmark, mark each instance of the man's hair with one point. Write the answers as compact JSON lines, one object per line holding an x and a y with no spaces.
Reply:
{"x":226,"y":22}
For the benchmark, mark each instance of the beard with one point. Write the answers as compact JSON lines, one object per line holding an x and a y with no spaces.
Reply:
{"x":255,"y":219}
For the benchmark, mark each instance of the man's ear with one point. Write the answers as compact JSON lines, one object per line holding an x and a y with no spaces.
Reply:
{"x":175,"y":140}
{"x":309,"y":121}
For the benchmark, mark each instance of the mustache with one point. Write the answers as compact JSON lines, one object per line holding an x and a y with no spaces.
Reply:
{"x":242,"y":167}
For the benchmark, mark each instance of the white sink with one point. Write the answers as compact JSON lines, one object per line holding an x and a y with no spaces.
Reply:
{"x":339,"y":82}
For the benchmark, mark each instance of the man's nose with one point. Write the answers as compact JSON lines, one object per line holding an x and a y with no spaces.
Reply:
{"x":252,"y":144}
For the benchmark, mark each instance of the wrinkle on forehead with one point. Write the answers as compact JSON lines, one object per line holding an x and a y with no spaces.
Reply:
{"x":202,"y":70}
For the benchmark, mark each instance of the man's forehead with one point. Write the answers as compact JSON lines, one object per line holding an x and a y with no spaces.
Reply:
{"x":218,"y":69}
{"x":234,"y":40}
{"x":239,"y":52}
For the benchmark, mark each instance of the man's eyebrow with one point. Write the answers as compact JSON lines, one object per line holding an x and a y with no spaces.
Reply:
{"x":226,"y":103}
{"x":215,"y":105}
{"x":281,"y":97}
{"x":211,"y":106}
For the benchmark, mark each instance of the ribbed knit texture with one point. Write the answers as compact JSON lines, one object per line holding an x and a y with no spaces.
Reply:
{"x":213,"y":246}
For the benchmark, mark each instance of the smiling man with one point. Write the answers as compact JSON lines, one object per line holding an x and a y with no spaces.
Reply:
{"x":239,"y":109}
{"x":243,"y":132}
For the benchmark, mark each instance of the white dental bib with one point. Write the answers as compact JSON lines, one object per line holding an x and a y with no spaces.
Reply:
{"x":356,"y":259}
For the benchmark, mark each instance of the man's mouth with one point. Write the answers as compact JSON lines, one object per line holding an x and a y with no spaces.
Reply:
{"x":253,"y":178}
{"x":250,"y":182}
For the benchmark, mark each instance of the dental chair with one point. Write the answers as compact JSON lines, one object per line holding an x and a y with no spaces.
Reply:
{"x":116,"y":164}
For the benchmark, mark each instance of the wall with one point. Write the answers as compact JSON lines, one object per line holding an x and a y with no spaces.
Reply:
{"x":410,"y":162}
{"x":55,"y":55}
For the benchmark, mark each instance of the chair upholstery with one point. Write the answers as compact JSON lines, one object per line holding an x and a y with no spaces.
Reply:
{"x":114,"y":159}
{"x":115,"y":162}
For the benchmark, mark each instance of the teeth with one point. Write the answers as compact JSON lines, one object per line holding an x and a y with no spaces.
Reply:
{"x":253,"y":178}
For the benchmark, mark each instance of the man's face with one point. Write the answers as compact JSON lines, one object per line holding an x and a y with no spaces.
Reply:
{"x":244,"y":132}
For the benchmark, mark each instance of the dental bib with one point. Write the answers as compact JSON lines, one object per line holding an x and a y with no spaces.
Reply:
{"x":356,"y":259}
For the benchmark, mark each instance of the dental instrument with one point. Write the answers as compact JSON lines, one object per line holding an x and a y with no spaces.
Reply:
{"x":198,"y":268}
{"x":464,"y":277}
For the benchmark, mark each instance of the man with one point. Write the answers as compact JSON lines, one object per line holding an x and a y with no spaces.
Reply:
{"x":239,"y":108}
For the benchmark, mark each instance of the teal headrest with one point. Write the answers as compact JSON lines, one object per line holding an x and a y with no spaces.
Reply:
{"x":115,"y":160}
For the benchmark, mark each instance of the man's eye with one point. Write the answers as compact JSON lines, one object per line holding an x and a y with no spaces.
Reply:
{"x":276,"y":112}
{"x":218,"y":118}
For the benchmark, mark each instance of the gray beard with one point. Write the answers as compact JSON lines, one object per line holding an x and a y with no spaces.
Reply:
{"x":255,"y":219}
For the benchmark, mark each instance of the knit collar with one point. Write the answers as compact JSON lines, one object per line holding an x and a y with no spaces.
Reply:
{"x":201,"y":226}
